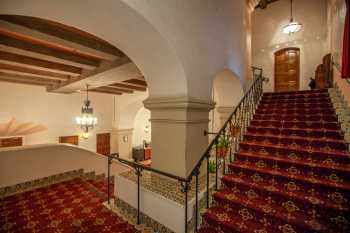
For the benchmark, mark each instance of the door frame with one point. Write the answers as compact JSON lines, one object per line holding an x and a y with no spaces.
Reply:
{"x":298,"y":71}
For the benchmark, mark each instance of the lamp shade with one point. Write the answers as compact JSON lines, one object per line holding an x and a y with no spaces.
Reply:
{"x":291,"y":28}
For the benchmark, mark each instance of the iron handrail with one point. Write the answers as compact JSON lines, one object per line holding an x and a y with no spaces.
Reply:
{"x":241,"y":113}
{"x":209,"y":148}
{"x":143,"y":167}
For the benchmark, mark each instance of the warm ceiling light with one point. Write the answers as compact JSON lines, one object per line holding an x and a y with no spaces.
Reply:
{"x":292,"y":27}
{"x":87,"y":120}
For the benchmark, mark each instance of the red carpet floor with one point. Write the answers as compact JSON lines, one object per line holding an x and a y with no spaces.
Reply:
{"x":69,"y":207}
{"x":291,"y":173}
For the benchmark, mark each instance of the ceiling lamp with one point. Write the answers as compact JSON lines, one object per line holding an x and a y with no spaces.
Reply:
{"x":292,"y":27}
{"x":87,"y":120}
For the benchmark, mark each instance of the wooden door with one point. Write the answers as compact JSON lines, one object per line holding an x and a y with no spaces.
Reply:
{"x":74,"y":140}
{"x":11,"y":142}
{"x":287,"y":69}
{"x":103,"y":143}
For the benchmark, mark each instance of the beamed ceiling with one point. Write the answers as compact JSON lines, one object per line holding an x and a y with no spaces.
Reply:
{"x":264,"y":3}
{"x":45,"y":53}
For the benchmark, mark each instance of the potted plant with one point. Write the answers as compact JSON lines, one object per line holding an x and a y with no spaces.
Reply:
{"x":212,"y":166}
{"x":223,"y":145}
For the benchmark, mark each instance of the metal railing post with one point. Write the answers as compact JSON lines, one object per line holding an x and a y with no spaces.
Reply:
{"x":138,"y":173}
{"x":208,"y":157}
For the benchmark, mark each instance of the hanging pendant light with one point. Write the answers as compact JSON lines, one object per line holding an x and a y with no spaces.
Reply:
{"x":87,"y":120}
{"x":292,"y":27}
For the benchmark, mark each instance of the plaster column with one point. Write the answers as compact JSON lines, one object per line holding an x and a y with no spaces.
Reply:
{"x":224,"y":113}
{"x":121,"y":142}
{"x":178,"y":125}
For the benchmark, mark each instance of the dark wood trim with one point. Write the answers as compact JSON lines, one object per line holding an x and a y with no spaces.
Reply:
{"x":53,"y":33}
{"x":106,"y":92}
{"x":112,"y":89}
{"x":25,"y":71}
{"x":27,"y":79}
{"x":126,"y":86}
{"x":34,"y":62}
{"x":136,"y":82}
{"x":104,"y":67}
{"x":26,"y":46}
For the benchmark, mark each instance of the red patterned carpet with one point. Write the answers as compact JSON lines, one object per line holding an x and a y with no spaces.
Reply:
{"x":291,"y":173}
{"x":69,"y":207}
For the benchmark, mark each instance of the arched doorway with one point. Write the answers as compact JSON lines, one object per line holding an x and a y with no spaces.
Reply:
{"x":287,"y":69}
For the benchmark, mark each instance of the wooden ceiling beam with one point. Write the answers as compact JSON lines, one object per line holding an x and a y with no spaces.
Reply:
{"x":104,"y":67}
{"x":135,"y":82}
{"x":107,"y":88}
{"x":26,"y":79}
{"x":105,"y":91}
{"x":66,"y":43}
{"x":28,"y":71}
{"x":29,"y":62}
{"x":23,"y":47}
{"x":128,"y":87}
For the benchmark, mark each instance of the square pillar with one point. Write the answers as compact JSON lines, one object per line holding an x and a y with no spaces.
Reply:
{"x":178,"y":125}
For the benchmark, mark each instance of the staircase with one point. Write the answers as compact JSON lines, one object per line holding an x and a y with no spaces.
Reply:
{"x":291,"y":173}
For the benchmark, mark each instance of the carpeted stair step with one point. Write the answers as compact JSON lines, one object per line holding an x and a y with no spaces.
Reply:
{"x":311,"y":143}
{"x":293,"y":93}
{"x":297,"y":117}
{"x":303,"y":167}
{"x":302,"y":132}
{"x":324,"y":155}
{"x":330,"y":203}
{"x":295,"y":97}
{"x":331,"y":184}
{"x":296,"y":124}
{"x":312,"y":99}
{"x":295,"y":111}
{"x":207,"y":229}
{"x":287,"y":213}
{"x":298,"y":106}
{"x":235,"y":221}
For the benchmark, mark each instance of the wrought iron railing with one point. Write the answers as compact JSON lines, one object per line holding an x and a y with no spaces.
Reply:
{"x":222,"y":148}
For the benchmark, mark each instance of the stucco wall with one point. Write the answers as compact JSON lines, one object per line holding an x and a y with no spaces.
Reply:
{"x":142,"y":119}
{"x":56,"y":111}
{"x":267,"y":36}
{"x":336,"y":18}
{"x":175,"y":44}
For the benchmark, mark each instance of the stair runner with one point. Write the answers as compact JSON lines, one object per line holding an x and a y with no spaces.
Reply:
{"x":291,"y":173}
{"x":70,"y":206}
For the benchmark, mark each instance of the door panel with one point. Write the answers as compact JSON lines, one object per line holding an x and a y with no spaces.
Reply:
{"x":103,"y":143}
{"x":287,"y":70}
{"x":11,"y":142}
{"x":74,"y":140}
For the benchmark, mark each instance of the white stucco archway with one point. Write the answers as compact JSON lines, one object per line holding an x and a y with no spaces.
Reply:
{"x":120,"y":25}
{"x":227,"y":92}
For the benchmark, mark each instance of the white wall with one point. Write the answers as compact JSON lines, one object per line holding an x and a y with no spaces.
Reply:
{"x":175,"y":44}
{"x":227,"y":92}
{"x":267,"y":36}
{"x":336,"y":19}
{"x":141,"y":121}
{"x":56,"y":111}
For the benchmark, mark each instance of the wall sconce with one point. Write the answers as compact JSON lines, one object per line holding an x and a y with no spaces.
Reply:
{"x":85,"y":135}
{"x":146,"y":129}
{"x":125,"y":138}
